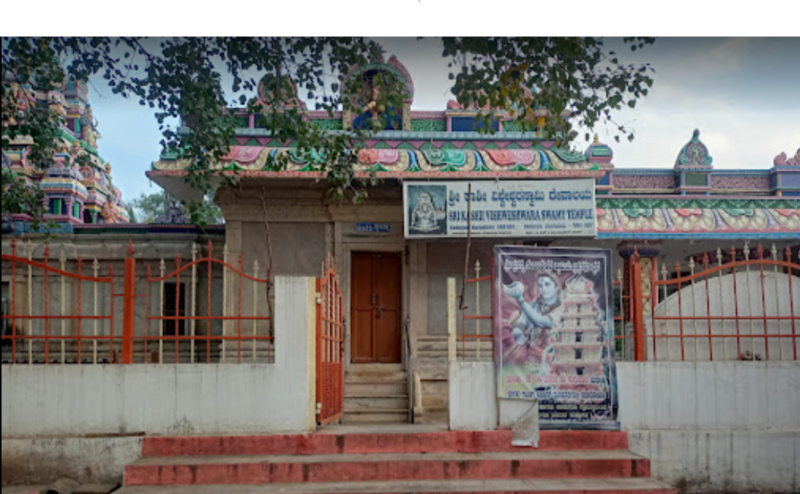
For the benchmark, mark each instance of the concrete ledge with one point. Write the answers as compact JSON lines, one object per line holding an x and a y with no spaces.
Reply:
{"x":722,"y":461}
{"x":86,"y":460}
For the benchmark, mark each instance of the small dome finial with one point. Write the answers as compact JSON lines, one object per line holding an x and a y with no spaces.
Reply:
{"x":596,"y":139}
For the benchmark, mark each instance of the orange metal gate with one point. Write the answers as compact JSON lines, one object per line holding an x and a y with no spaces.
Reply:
{"x":330,"y":346}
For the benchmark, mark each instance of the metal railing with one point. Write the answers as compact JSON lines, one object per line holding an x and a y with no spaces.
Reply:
{"x":747,"y":308}
{"x":60,"y":316}
{"x":744,"y":308}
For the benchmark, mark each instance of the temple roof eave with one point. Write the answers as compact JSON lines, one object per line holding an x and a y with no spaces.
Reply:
{"x":626,"y":217}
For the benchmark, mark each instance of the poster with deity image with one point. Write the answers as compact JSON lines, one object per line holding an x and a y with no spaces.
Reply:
{"x":554,"y":333}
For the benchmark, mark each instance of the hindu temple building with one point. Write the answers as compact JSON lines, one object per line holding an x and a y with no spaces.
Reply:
{"x":73,"y":194}
{"x":378,"y":314}
{"x":394,"y":287}
{"x":85,"y":218}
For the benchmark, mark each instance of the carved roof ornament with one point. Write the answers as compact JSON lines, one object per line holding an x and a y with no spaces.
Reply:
{"x":394,"y":66}
{"x":694,"y":154}
{"x":599,"y":152}
{"x":174,"y":214}
{"x":781,"y":160}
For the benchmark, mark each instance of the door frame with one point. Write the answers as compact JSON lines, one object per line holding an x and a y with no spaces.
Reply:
{"x":393,"y":247}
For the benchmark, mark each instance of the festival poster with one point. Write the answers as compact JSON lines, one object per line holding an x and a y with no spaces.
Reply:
{"x":554,"y":327}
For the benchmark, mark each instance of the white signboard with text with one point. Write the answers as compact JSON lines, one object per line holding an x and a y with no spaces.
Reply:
{"x":518,"y":208}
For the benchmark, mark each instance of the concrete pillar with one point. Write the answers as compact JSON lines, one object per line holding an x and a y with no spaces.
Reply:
{"x":69,"y":201}
{"x":418,"y":290}
{"x":295,"y":343}
{"x":231,"y":253}
{"x":648,"y":252}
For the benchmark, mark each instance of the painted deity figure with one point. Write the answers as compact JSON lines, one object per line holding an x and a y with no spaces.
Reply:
{"x":424,"y":217}
{"x":534,"y":329}
{"x":374,"y":115}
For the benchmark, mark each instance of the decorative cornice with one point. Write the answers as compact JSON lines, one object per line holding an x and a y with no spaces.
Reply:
{"x":703,"y":202}
{"x":541,"y":163}
{"x":643,"y":171}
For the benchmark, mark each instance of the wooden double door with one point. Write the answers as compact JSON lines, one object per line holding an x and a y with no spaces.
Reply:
{"x":376,"y":332}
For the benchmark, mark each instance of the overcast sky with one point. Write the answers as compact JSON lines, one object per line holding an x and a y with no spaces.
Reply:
{"x":742,"y":93}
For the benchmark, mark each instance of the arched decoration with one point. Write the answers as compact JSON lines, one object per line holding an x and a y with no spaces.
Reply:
{"x":393,"y":66}
{"x":369,"y":113}
{"x":694,"y":153}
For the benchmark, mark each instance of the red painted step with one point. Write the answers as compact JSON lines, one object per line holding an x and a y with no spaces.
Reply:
{"x":427,"y":442}
{"x":525,"y":464}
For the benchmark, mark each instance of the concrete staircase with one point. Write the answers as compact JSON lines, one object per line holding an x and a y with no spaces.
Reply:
{"x":432,"y":369}
{"x":567,"y":462}
{"x":376,"y":393}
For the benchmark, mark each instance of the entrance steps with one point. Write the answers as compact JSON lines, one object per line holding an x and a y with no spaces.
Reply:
{"x":376,"y":393}
{"x":432,"y":370}
{"x":374,"y":463}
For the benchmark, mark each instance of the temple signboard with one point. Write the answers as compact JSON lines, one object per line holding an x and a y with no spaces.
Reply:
{"x":554,"y":333}
{"x":519,"y":208}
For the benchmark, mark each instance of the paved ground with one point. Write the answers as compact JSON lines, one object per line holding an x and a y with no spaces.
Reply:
{"x":22,"y":489}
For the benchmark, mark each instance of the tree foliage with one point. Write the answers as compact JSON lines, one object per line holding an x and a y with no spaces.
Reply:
{"x":182,"y":78}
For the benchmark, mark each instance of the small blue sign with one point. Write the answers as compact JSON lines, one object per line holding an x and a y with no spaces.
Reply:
{"x":374,"y":227}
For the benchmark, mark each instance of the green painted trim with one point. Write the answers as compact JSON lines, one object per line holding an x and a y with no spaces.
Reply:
{"x":429,"y":126}
{"x":568,"y":156}
{"x":328,"y":123}
{"x":66,"y":135}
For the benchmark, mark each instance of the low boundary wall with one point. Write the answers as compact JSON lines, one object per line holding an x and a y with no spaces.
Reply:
{"x":67,"y":403}
{"x":706,"y":426}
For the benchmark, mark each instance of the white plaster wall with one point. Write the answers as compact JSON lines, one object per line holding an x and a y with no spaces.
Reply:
{"x":709,"y":395}
{"x":75,"y":400}
{"x":706,"y":426}
{"x":473,"y":388}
